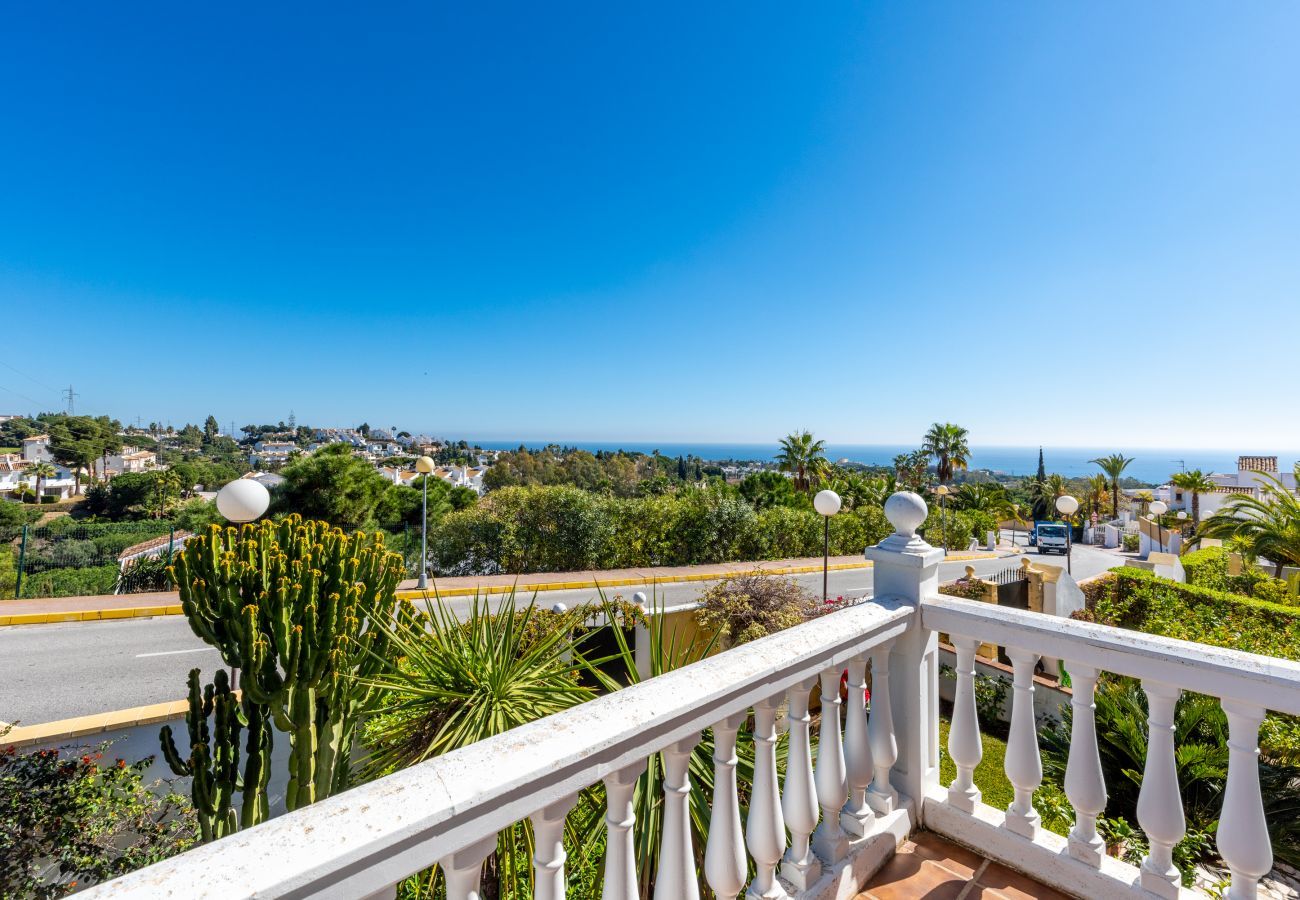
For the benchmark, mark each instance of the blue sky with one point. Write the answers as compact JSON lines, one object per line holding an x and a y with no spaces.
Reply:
{"x":684,"y":222}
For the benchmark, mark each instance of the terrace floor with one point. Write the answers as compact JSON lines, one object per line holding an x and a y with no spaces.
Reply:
{"x":929,"y":867}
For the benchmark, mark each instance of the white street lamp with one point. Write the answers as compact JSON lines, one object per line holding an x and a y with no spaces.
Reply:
{"x":1158,"y":509}
{"x":243,"y":500}
{"x":827,"y":503}
{"x":943,"y":492}
{"x":425,"y":466}
{"x":1068,"y":506}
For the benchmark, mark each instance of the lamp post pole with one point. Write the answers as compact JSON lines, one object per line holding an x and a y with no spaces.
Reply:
{"x":942,"y":491}
{"x":425,"y":466}
{"x":242,"y":500}
{"x":1068,"y":506}
{"x":1158,"y":509}
{"x":827,"y":503}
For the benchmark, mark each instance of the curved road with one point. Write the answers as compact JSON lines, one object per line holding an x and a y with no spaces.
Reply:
{"x":50,"y":672}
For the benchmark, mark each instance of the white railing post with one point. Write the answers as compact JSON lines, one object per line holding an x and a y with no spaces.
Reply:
{"x":620,"y":851}
{"x":1243,"y":831}
{"x":799,"y":799}
{"x":766,"y":826}
{"x":907,"y":571}
{"x":964,"y":744}
{"x":1160,"y":805}
{"x":882,"y":796}
{"x":548,"y":850}
{"x":829,"y":839}
{"x":675,"y":877}
{"x":1024,"y":767}
{"x":1084,"y":784}
{"x":724,"y":856}
{"x":856,"y":815}
{"x":463,"y":870}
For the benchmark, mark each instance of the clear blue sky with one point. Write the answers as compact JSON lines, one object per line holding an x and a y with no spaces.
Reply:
{"x":704,"y":221}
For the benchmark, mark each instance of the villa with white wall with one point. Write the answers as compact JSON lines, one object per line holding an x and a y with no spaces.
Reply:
{"x":1252,"y":475}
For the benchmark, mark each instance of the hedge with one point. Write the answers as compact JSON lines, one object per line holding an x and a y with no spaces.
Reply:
{"x":1142,"y":601}
{"x":1208,"y":568}
{"x":90,"y":581}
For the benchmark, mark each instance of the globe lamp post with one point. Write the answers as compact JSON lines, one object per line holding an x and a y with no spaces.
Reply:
{"x":943,"y":492}
{"x":425,"y":466}
{"x":827,"y":503}
{"x":1159,"y":508}
{"x":1068,"y":506}
{"x":242,"y":500}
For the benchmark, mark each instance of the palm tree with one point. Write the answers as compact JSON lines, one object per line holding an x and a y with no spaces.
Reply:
{"x":42,"y":471}
{"x":946,"y":442}
{"x":1094,"y":495}
{"x":1114,"y":466}
{"x":1045,"y":493}
{"x":803,"y":457}
{"x":1196,"y":482}
{"x":1145,"y":498}
{"x":989,"y":498}
{"x":1267,"y":525}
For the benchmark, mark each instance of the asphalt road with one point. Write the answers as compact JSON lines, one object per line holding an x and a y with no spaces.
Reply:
{"x":50,"y":672}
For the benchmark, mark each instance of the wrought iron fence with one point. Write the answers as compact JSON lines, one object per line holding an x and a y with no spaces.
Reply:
{"x":63,"y":560}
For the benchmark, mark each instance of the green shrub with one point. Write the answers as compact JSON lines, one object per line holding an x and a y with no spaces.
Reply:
{"x":86,"y":582}
{"x":1130,"y":543}
{"x":747,"y":607}
{"x":1208,"y":568}
{"x":963,"y":526}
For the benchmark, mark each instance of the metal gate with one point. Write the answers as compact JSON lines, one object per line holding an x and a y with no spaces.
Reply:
{"x":1013,"y":587}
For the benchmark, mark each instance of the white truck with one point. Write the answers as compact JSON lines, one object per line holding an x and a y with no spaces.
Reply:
{"x":1051,"y":537}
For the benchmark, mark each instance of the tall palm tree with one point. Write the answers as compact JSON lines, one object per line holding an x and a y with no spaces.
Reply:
{"x":946,"y":442}
{"x":1114,"y":466}
{"x":1094,"y":495}
{"x":1267,"y":525}
{"x":1145,"y":498}
{"x":803,"y":457}
{"x":1196,"y":483}
{"x":42,"y":471}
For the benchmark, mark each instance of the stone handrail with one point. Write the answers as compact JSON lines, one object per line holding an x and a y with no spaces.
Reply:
{"x":448,"y":810}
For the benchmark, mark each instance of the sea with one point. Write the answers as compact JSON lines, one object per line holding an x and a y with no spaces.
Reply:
{"x":1151,"y":465}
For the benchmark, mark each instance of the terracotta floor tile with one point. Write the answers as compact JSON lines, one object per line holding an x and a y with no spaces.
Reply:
{"x":958,"y":860}
{"x":1004,"y":883}
{"x":908,"y":876}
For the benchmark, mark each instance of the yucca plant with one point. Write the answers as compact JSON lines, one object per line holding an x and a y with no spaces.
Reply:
{"x":462,"y":678}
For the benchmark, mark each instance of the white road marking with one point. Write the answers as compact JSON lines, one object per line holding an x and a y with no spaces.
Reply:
{"x":174,"y":652}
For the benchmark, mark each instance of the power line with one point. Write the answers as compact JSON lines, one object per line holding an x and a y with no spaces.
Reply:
{"x":24,"y":396}
{"x":28,"y":377}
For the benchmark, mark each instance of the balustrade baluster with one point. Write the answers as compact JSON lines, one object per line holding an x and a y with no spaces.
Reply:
{"x":620,"y":851}
{"x":799,"y":799}
{"x":829,"y":839}
{"x":1243,"y":831}
{"x":1160,"y":804}
{"x":856,"y":815}
{"x":964,"y":744}
{"x":724,"y":857}
{"x":675,"y":876}
{"x":765,"y":828}
{"x":1084,"y":784}
{"x":880,"y":732}
{"x":463,"y":870}
{"x":1023,"y":765}
{"x":548,"y":850}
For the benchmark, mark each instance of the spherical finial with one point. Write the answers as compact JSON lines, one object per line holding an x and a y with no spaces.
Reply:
{"x":906,"y":511}
{"x":638,"y":599}
{"x":827,"y":502}
{"x":425,"y":464}
{"x":243,"y":500}
{"x":559,"y":608}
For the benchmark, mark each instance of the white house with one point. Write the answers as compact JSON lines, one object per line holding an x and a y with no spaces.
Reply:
{"x":131,"y":459}
{"x":265,"y":452}
{"x":1252,"y":475}
{"x":15,"y":471}
{"x":37,"y":448}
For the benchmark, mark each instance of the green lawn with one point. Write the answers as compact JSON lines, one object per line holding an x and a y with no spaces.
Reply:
{"x":990,"y":775}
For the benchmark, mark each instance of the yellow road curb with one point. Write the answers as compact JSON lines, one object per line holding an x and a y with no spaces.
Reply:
{"x":91,"y":615}
{"x":140,"y":612}
{"x":82,"y":726}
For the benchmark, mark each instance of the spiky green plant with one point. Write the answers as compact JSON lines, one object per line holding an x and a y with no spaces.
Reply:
{"x":295,"y":608}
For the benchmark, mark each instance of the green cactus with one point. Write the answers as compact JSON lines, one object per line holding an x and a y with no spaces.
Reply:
{"x":293,"y":606}
{"x":213,"y":759}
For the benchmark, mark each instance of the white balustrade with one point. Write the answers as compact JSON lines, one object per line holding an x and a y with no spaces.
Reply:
{"x":620,"y":848}
{"x":1243,"y":838}
{"x":799,"y":797}
{"x":882,"y":796}
{"x":463,"y":870}
{"x":964,"y":745}
{"x":1160,"y":804}
{"x":765,"y":829}
{"x":724,"y":856}
{"x":675,"y":877}
{"x":1023,"y":765}
{"x":1084,"y":785}
{"x":856,"y":816}
{"x":829,"y":840}
{"x":548,"y":850}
